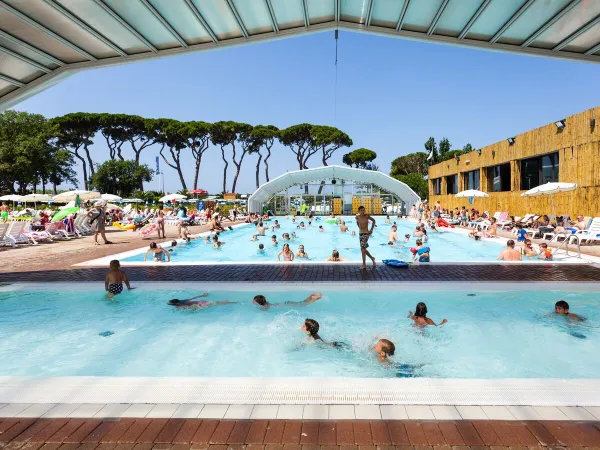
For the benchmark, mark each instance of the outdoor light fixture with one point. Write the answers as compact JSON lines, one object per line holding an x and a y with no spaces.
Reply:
{"x":493,"y":153}
{"x":479,"y":151}
{"x":561,"y":124}
{"x":511,"y":140}
{"x":457,"y":158}
{"x":333,"y":181}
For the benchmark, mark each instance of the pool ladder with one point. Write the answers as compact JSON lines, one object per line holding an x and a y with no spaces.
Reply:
{"x":566,"y":241}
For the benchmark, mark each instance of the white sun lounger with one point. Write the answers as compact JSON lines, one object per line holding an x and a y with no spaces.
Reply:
{"x":4,"y":229}
{"x":17,"y":235}
{"x":589,"y":235}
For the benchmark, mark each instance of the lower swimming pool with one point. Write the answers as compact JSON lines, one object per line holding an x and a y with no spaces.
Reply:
{"x":69,"y":331}
{"x":445,"y":246}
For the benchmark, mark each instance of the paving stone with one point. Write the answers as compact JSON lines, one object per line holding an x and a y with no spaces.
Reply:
{"x":222,"y":432}
{"x":274,"y":432}
{"x":187,"y":432}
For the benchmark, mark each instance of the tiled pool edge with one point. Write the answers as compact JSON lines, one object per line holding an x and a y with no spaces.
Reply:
{"x":300,"y":391}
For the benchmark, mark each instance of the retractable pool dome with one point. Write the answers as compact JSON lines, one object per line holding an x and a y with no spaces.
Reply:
{"x":300,"y":177}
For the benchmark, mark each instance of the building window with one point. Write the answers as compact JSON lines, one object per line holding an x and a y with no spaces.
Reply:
{"x":499,"y":178}
{"x":437,"y":186}
{"x":540,"y":170}
{"x":472,"y":179}
{"x":452,"y":184}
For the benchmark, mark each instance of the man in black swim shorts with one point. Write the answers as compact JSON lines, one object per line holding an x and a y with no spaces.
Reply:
{"x":364,"y":233}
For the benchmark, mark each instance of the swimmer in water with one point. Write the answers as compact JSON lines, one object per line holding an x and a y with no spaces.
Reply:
{"x":261,"y":249}
{"x":274,"y":240}
{"x":216,"y":242}
{"x":207,"y":239}
{"x":406,"y":237}
{"x":311,"y":328}
{"x":261,"y":301}
{"x":343,"y":227}
{"x":561,"y":308}
{"x":384,"y":348}
{"x":192,"y":303}
{"x":321,"y":228}
{"x":420,"y":316}
{"x":254,"y":238}
{"x":158,"y":252}
{"x":301,"y":253}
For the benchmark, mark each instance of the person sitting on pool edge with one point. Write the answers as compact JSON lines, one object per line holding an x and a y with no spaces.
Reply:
{"x":261,"y":301}
{"x":159,"y":253}
{"x":113,"y":284}
{"x":311,"y":328}
{"x":420,"y":316}
{"x":562,"y":309}
{"x":192,"y":303}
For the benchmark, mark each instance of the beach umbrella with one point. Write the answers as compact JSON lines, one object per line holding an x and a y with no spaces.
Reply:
{"x":198,"y":191}
{"x":550,"y":189}
{"x":64,"y":213}
{"x":133,"y":200}
{"x":472,"y":194}
{"x":110,"y":197}
{"x":110,"y":206}
{"x":172,"y":197}
{"x":35,"y":198}
{"x":12,"y":198}
{"x":66,"y":197}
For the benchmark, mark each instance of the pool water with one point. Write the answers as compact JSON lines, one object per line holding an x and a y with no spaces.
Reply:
{"x":489,"y":334}
{"x":446,"y":246}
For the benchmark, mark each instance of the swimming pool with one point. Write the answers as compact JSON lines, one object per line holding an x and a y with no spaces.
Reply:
{"x":63,"y":331}
{"x":445,"y":246}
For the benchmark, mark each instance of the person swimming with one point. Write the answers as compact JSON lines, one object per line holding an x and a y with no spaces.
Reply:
{"x":158,"y":252}
{"x":311,"y":328}
{"x":261,"y":249}
{"x":406,"y":237}
{"x":261,"y":301}
{"x":420,"y":316}
{"x":384,"y":349}
{"x":561,"y":308}
{"x":192,"y":303}
{"x":274,"y":240}
{"x":287,"y":254}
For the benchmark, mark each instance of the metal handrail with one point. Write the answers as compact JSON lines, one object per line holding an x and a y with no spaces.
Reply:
{"x":567,"y":241}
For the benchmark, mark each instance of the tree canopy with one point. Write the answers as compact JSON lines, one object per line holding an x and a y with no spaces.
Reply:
{"x":411,"y":163}
{"x":359,"y":158}
{"x":120,"y":177}
{"x":416,"y":182}
{"x":28,"y":156}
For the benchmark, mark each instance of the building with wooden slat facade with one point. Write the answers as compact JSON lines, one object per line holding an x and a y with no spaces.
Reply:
{"x":507,"y":169}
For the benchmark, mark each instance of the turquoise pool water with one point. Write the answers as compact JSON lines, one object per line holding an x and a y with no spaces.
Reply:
{"x":445,"y":246}
{"x":489,"y":334}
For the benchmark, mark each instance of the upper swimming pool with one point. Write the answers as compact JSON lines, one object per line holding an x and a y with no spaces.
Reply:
{"x":66,"y":331}
{"x":445,"y":246}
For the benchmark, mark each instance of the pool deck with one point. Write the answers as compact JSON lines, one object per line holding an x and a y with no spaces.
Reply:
{"x":177,"y":433}
{"x":242,"y":273}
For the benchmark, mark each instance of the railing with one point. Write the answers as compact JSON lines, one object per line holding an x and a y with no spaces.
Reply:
{"x":566,"y":242}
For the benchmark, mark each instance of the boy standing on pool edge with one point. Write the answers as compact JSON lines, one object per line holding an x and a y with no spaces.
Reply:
{"x":364,"y":233}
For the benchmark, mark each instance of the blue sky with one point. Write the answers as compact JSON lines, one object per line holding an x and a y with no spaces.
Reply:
{"x":392,"y":94}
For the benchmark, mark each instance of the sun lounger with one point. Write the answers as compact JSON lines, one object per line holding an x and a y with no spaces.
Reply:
{"x":591,"y":234}
{"x":17,"y":235}
{"x":4,"y":229}
{"x":57,"y":230}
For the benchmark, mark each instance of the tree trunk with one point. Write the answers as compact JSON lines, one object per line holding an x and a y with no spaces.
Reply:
{"x":224,"y":169}
{"x":197,"y":172}
{"x":321,"y":187}
{"x":266,"y":164}
{"x":238,"y":167}
{"x":83,"y":166}
{"x":54,"y":189}
{"x":258,"y":170}
{"x":90,"y":162}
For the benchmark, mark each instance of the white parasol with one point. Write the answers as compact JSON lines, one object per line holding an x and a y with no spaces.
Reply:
{"x":550,"y":189}
{"x":66,"y":197}
{"x":110,"y":197}
{"x":472,"y":193}
{"x":172,"y":197}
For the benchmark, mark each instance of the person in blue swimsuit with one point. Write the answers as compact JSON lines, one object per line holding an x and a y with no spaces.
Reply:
{"x":422,"y":252}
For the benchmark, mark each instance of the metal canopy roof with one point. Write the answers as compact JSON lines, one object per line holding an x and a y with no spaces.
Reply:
{"x":298,"y":177}
{"x":43,"y":41}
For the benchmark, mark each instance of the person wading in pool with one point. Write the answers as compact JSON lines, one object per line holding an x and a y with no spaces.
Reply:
{"x":364,"y":233}
{"x":261,"y":301}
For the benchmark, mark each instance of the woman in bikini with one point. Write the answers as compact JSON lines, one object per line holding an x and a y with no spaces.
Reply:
{"x":288,"y":255}
{"x":335,"y":257}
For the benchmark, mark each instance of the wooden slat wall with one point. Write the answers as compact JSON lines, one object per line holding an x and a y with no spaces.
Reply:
{"x":579,"y":162}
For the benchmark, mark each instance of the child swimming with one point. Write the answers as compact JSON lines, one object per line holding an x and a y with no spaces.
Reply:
{"x":261,"y":249}
{"x":561,"y":308}
{"x":311,"y":328}
{"x":113,"y":284}
{"x":158,"y":252}
{"x":261,"y":301}
{"x":384,"y":348}
{"x":192,"y":303}
{"x":420,"y":316}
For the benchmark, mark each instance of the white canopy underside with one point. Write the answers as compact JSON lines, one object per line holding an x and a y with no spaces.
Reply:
{"x":44,"y":41}
{"x":299,"y":177}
